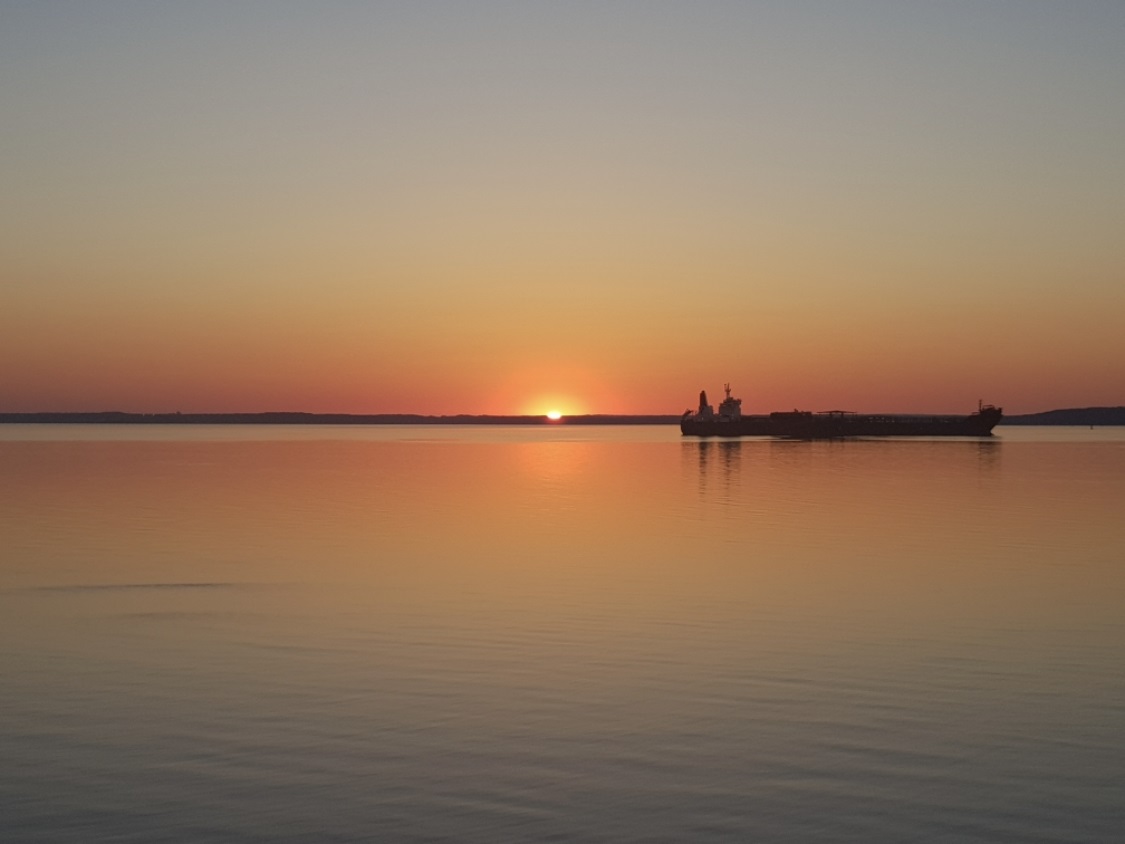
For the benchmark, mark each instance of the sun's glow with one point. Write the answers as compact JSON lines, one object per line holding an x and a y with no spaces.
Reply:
{"x":554,"y":415}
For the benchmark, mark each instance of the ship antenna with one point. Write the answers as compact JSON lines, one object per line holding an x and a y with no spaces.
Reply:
{"x":727,"y":388}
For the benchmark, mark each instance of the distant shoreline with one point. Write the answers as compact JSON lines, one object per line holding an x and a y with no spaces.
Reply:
{"x":293,"y":418}
{"x":1096,"y":416}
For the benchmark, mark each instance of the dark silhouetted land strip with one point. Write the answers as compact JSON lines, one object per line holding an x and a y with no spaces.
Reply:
{"x":284,"y":418}
{"x":1098,"y":416}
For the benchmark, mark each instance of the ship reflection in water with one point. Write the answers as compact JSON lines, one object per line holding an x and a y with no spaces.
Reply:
{"x":848,"y":469}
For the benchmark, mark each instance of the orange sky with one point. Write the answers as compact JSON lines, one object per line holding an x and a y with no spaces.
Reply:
{"x":495,"y":209}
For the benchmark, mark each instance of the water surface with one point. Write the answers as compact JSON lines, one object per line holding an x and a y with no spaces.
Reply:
{"x":215,"y":633}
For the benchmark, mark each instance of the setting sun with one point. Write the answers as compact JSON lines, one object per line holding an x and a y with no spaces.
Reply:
{"x":554,"y":415}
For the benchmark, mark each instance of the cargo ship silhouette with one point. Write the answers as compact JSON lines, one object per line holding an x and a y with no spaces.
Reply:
{"x":729,"y":421}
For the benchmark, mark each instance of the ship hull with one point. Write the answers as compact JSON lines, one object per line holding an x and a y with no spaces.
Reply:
{"x":808,"y":426}
{"x":747,"y":426}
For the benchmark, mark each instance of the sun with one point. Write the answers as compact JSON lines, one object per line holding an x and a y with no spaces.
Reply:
{"x":554,"y":415}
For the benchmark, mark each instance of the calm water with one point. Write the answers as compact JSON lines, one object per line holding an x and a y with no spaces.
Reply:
{"x":559,"y":634}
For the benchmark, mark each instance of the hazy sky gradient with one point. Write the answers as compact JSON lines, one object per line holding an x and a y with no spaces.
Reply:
{"x":605,"y":207}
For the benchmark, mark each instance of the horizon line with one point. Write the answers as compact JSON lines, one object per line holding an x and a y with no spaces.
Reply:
{"x":311,"y":417}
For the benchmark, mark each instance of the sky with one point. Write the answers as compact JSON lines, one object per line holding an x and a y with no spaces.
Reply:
{"x":595,"y":207}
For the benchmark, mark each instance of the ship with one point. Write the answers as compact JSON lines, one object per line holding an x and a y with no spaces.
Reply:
{"x":729,"y":421}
